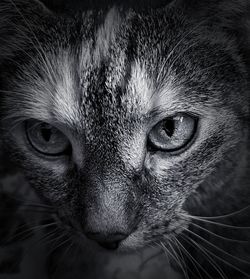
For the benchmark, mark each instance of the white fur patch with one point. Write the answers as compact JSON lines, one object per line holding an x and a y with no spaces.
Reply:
{"x":140,"y":89}
{"x":65,"y":101}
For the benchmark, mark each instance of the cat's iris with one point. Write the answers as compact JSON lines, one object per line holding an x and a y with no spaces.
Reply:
{"x":46,"y":139}
{"x":173,"y":133}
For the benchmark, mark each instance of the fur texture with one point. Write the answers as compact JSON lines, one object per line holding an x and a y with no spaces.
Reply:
{"x":105,"y":78}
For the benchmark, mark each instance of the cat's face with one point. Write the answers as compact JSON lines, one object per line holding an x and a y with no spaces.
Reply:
{"x":118,"y":118}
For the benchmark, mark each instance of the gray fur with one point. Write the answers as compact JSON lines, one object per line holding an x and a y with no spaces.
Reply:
{"x":101,"y":78}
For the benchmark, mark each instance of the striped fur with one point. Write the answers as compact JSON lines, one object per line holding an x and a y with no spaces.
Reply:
{"x":105,"y":78}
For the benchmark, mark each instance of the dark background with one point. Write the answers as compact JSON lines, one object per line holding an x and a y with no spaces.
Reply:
{"x":64,"y":5}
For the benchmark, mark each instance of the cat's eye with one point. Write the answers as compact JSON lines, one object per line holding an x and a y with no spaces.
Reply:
{"x":173,"y":133}
{"x":46,"y":139}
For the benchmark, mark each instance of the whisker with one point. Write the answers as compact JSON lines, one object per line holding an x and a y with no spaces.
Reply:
{"x":181,"y":260}
{"x":179,"y":251}
{"x":164,"y":249}
{"x":214,"y":223}
{"x":167,"y":252}
{"x":224,"y":216}
{"x":62,"y":256}
{"x":219,"y":236}
{"x":33,"y":210}
{"x":225,"y":262}
{"x":31,"y":230}
{"x":63,"y":242}
{"x":203,"y":250}
{"x":27,"y":202}
{"x":187,"y":240}
{"x":53,"y":242}
{"x":217,"y":248}
{"x":191,"y":258}
{"x":41,"y":241}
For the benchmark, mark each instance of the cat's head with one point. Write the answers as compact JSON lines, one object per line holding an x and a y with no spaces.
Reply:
{"x":119,"y":118}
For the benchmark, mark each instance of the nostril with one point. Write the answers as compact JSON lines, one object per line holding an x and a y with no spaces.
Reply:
{"x":107,"y":241}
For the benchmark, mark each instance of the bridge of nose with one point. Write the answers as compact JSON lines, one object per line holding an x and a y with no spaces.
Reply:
{"x":108,"y":206}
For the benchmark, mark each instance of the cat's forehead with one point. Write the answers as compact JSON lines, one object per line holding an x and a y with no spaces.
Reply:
{"x":115,"y":70}
{"x":121,"y":66}
{"x":138,"y":61}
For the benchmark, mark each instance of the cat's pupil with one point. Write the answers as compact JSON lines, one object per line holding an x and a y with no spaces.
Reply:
{"x":46,"y":133}
{"x":169,"y":127}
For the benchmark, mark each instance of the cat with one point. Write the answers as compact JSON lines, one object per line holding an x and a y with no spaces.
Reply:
{"x":133,"y":124}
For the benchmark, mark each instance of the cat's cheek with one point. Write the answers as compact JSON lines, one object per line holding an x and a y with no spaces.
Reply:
{"x":56,"y":169}
{"x":56,"y":190}
{"x":51,"y":180}
{"x":159,"y":163}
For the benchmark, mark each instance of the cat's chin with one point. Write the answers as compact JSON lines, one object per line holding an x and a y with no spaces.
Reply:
{"x":126,"y":247}
{"x":129,"y":245}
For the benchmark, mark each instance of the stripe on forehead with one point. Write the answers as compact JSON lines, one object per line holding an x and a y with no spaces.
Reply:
{"x":66,"y":102}
{"x":62,"y":97}
{"x":97,"y":48}
{"x":97,"y":51}
{"x":140,"y":85}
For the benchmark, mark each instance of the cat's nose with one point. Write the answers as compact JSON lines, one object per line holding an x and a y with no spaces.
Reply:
{"x":107,"y":241}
